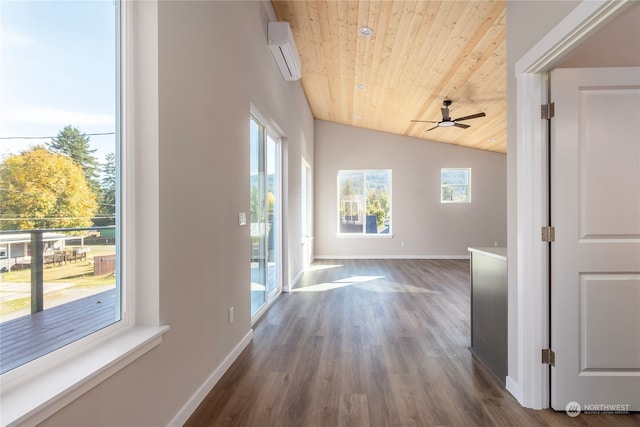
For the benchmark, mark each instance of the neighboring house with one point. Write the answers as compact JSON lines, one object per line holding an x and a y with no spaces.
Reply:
{"x":16,"y":248}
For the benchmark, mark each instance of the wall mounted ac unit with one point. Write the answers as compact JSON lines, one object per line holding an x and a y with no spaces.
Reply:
{"x":284,"y":51}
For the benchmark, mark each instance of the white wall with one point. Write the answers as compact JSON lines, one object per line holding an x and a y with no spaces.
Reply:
{"x":527,"y":23}
{"x":213,"y":62}
{"x":427,"y":227}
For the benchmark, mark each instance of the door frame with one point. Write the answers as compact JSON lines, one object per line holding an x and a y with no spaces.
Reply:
{"x":277,"y":134}
{"x":532,"y":302}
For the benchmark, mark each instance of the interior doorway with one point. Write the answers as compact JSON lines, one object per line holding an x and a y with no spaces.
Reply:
{"x":530,"y":382}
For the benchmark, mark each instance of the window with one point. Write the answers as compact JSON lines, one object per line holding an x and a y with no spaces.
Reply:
{"x":456,"y":185}
{"x":27,"y":396}
{"x":59,"y":175}
{"x":364,"y":202}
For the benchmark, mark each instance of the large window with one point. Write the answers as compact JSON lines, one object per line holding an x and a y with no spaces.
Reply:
{"x":28,"y":396}
{"x":364,"y":202}
{"x":455,"y":185}
{"x":59,"y":175}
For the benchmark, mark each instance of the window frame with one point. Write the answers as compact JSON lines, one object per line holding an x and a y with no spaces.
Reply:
{"x":269,"y":129}
{"x":364,"y":233}
{"x":467,"y":185}
{"x":34,"y":391}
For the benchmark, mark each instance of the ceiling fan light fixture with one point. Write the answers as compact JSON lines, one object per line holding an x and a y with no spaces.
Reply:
{"x":447,"y":121}
{"x":365,"y":31}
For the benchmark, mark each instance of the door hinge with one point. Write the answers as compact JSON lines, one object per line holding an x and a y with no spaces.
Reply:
{"x":548,"y":111}
{"x":548,"y":357}
{"x":548,"y":234}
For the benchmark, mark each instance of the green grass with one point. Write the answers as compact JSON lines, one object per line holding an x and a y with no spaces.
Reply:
{"x":80,"y":273}
{"x":14,"y":305}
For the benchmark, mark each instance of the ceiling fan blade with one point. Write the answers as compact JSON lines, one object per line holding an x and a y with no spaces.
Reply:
{"x":431,"y":129}
{"x":461,"y":125}
{"x":473,"y":116}
{"x":445,"y":114}
{"x":423,"y":121}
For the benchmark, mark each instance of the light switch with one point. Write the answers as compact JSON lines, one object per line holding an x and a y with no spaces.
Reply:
{"x":242,"y":218}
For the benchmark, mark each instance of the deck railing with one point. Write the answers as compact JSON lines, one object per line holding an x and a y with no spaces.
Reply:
{"x":38,"y":259}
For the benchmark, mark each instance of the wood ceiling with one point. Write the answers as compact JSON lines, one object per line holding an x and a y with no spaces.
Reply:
{"x":420,"y":53}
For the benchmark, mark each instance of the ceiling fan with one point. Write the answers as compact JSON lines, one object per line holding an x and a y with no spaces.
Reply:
{"x":446,"y":119}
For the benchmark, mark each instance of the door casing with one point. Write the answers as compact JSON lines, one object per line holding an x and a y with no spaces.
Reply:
{"x":531,"y":384}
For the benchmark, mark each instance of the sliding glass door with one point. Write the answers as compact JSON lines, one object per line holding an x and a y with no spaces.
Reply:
{"x":266,"y":215}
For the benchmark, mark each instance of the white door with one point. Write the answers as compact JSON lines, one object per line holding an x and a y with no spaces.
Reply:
{"x":595,"y":261}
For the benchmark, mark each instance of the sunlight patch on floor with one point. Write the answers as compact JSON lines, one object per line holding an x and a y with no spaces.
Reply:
{"x":336,"y":284}
{"x":320,"y":267}
{"x":321,"y":287}
{"x":358,"y":279}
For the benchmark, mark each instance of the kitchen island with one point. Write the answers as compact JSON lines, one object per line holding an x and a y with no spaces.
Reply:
{"x":489,"y":308}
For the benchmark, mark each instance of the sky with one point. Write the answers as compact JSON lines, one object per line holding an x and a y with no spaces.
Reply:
{"x":57,"y":68}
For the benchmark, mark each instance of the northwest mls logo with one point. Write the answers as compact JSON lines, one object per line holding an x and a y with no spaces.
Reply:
{"x":573,"y":409}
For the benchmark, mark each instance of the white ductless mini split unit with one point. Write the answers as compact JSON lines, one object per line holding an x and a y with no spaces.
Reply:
{"x":284,"y":51}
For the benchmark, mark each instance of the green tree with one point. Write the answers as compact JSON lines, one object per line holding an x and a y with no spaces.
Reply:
{"x":375,"y":206}
{"x":108,"y":190}
{"x":346,"y":199}
{"x":75,"y":144}
{"x":41,"y":189}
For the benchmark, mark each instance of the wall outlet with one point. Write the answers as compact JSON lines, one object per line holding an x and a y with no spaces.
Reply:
{"x":231,"y":314}
{"x":402,"y":244}
{"x":495,"y":244}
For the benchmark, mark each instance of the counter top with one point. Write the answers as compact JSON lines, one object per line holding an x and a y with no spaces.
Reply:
{"x":499,"y":252}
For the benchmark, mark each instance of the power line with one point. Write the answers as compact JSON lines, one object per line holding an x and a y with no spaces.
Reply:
{"x":53,"y":218}
{"x":45,"y":137}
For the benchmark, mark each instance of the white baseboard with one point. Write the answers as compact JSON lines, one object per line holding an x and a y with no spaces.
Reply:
{"x":290,"y":286}
{"x":514,"y":388}
{"x":391,"y":257}
{"x":192,"y":404}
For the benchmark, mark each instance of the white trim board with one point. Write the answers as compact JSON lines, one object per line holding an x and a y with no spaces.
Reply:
{"x":532,"y":285}
{"x":194,"y":401}
{"x":391,"y":257}
{"x":293,"y":283}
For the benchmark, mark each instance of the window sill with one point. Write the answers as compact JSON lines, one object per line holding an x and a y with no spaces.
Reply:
{"x":40,"y":397}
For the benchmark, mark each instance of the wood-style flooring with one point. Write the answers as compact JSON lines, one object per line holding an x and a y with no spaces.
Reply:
{"x":371,"y":343}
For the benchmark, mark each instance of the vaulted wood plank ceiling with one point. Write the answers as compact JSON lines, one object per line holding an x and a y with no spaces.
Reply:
{"x":420,"y":53}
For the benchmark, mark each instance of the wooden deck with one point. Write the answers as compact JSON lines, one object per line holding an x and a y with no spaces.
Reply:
{"x":29,"y":337}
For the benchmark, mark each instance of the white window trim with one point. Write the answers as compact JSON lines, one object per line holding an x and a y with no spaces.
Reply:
{"x":364,"y":235}
{"x":272,"y":130}
{"x":33,"y":392}
{"x":468,"y":185}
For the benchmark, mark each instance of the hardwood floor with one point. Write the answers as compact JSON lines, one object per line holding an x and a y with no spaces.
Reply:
{"x":371,"y":343}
